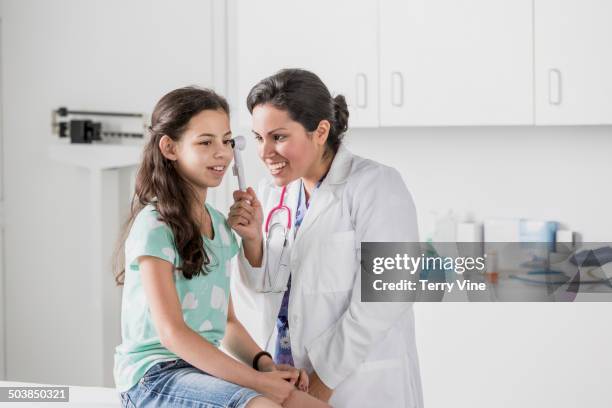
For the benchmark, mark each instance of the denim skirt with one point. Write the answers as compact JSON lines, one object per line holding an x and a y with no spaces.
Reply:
{"x":179,"y":384}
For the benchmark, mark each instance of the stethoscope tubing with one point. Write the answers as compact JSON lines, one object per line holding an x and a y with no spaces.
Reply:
{"x":281,"y":206}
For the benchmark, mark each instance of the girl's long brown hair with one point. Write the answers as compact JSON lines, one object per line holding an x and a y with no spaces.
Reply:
{"x":158,"y":182}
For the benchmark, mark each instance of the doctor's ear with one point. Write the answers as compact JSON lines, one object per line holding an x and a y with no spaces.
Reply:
{"x":322,"y":132}
{"x":167,"y":146}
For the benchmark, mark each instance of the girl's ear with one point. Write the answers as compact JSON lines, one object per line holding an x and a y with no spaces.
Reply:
{"x":167,"y":146}
{"x":322,"y":132}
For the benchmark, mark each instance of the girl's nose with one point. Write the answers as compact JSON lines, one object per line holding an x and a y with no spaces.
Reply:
{"x":222,"y":150}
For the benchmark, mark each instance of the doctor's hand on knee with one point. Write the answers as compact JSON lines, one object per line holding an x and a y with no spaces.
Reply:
{"x":318,"y":389}
{"x":275,"y":385}
{"x":246,"y":215}
{"x":300,"y":376}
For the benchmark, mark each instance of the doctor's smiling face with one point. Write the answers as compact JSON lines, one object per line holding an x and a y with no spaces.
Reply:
{"x":298,"y":125}
{"x":288,"y":150}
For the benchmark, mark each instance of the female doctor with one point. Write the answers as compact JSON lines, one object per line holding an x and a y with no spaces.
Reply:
{"x":301,"y":248}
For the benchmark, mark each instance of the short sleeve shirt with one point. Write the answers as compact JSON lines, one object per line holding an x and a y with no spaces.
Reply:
{"x":204,"y":298}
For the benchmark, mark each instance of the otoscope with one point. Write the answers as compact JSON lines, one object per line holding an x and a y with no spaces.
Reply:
{"x":239,"y":144}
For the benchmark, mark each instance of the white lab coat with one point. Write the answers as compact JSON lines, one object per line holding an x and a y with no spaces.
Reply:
{"x":366,"y":352}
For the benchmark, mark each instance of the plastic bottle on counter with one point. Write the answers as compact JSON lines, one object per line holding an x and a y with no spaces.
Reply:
{"x":491,"y":272}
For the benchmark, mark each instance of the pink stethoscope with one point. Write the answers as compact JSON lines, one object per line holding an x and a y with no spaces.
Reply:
{"x":278,"y":284}
{"x":280,"y":206}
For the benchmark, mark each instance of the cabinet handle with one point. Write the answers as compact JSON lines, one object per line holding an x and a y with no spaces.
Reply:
{"x":554,"y":87}
{"x":362,"y":90}
{"x":397,"y":88}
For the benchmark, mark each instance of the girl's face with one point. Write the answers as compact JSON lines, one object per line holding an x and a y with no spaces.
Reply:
{"x":204,"y":151}
{"x":287,"y":149}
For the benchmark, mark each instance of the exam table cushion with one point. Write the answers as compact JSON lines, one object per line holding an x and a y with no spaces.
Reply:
{"x":80,"y":397}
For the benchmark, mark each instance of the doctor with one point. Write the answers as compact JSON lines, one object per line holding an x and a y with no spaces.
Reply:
{"x":301,"y":235}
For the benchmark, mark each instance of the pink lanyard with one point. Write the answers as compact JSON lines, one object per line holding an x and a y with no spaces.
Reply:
{"x":280,"y":206}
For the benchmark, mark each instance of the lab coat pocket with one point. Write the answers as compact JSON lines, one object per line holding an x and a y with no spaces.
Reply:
{"x":336,"y":265}
{"x":374,"y":384}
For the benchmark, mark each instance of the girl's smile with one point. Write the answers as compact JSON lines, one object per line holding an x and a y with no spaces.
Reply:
{"x":217,"y":171}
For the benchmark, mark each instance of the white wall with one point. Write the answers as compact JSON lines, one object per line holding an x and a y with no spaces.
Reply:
{"x":97,"y":55}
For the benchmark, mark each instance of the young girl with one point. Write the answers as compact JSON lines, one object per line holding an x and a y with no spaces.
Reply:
{"x":176,"y":307}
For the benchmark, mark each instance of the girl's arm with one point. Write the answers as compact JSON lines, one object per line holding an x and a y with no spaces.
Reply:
{"x":176,"y":336}
{"x":239,"y":342}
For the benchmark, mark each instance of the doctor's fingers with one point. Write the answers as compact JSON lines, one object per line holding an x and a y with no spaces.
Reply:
{"x":254,"y":200}
{"x":242,"y":205}
{"x":294,"y":372}
{"x":243,"y":195}
{"x":242,"y":213}
{"x":302,"y":383}
{"x":234,"y":220}
{"x":289,"y":376}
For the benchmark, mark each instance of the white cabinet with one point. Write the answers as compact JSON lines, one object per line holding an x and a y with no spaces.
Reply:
{"x":335,"y":39}
{"x":448,"y":62}
{"x":573,"y":64}
{"x":438,"y":62}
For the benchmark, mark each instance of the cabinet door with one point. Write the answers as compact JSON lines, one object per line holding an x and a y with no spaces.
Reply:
{"x":337,"y":40}
{"x":456,"y":62}
{"x":573,"y":40}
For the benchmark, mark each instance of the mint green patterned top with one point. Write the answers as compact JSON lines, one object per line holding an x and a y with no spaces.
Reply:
{"x":204,"y":299}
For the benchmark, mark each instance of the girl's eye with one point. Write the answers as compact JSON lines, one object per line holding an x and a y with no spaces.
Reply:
{"x":259,"y":138}
{"x":279,"y":138}
{"x":205,"y":143}
{"x":227,"y":142}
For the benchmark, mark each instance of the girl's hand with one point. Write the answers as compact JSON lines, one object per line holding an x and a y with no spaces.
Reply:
{"x":246,"y":215}
{"x":301,"y":380}
{"x":275,"y":385}
{"x":299,"y":376}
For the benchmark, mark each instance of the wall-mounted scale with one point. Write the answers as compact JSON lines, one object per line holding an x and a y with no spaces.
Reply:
{"x":81,"y":128}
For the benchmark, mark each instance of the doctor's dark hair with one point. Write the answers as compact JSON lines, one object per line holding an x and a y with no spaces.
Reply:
{"x":159,"y":183}
{"x":306,"y":99}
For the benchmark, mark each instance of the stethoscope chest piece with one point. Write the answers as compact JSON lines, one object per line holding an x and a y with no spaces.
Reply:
{"x":277,"y":229}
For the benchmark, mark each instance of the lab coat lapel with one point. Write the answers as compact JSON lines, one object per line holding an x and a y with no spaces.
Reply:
{"x":322,"y":200}
{"x":325,"y":196}
{"x":293,"y":193}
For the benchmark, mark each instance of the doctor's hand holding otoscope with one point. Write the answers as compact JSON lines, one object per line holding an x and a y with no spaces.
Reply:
{"x":246,"y":214}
